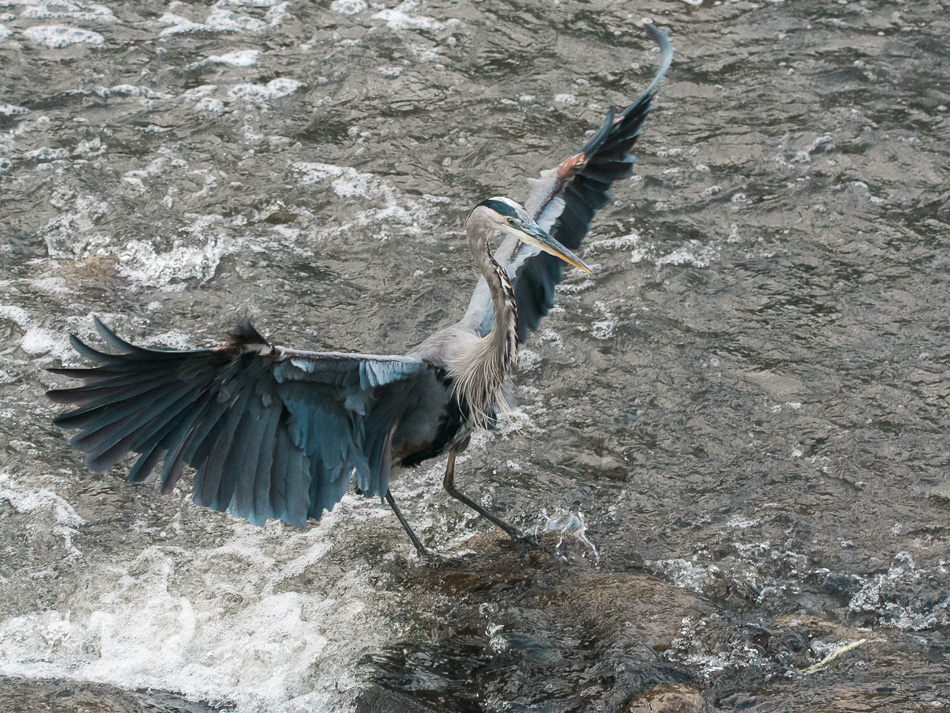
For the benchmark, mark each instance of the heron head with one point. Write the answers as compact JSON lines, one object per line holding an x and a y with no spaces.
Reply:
{"x":505,"y":215}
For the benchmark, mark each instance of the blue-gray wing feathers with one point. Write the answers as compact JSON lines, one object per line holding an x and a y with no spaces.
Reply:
{"x":271,"y":433}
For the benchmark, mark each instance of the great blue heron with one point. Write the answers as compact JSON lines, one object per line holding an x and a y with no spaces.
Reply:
{"x":279,"y":433}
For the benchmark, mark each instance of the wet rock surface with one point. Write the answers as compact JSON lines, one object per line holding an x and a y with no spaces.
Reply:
{"x":670,"y":698}
{"x":518,"y":616}
{"x":19,"y":695}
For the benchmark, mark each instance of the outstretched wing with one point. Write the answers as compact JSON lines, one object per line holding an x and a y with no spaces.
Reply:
{"x":563,"y":202}
{"x":270,"y":432}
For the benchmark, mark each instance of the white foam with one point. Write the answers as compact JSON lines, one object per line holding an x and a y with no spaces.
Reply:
{"x":4,"y":33}
{"x":198,"y":92}
{"x":695,"y":254}
{"x":743,"y":523}
{"x":274,"y":89}
{"x":885,"y":595}
{"x":625,"y":242}
{"x":205,"y":102}
{"x":136,"y":178}
{"x":218,"y":21}
{"x":47,"y":154}
{"x":528,"y":360}
{"x":276,"y":14}
{"x":698,"y":256}
{"x":172,"y":339}
{"x":44,"y":504}
{"x":74,"y":233}
{"x":247,"y":634}
{"x":398,"y":18}
{"x":41,"y":341}
{"x":131,"y":90}
{"x":238,"y":58}
{"x":68,"y":9}
{"x":35,"y":340}
{"x":58,"y":36}
{"x":565,"y":99}
{"x":603,"y":329}
{"x":575,"y":288}
{"x":316,"y":172}
{"x":209,"y":104}
{"x":347,"y":182}
{"x":247,"y":3}
{"x":26,"y":499}
{"x":196,"y":260}
{"x":348,"y":7}
{"x":354,"y":184}
{"x":15,"y":314}
{"x":685,"y":573}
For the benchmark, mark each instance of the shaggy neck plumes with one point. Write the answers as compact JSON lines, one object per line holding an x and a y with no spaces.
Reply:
{"x":482,"y":370}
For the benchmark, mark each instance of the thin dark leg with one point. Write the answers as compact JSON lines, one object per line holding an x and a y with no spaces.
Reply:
{"x":449,"y":482}
{"x":420,"y":548}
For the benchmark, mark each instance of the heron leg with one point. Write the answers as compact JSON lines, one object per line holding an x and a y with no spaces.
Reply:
{"x":420,"y":548}
{"x":449,"y":483}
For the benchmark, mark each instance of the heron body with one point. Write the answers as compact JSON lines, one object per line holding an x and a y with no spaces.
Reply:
{"x":279,"y":433}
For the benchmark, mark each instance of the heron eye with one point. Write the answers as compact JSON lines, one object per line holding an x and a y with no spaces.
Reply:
{"x":511,"y":221}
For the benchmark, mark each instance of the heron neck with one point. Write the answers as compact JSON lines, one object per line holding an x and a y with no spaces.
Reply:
{"x":504,"y":332}
{"x":484,"y":368}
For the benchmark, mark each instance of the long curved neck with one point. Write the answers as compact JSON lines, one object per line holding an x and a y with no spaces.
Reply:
{"x":484,"y":368}
{"x":503,"y":336}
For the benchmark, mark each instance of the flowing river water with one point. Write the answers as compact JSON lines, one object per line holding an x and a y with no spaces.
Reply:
{"x":734,"y":435}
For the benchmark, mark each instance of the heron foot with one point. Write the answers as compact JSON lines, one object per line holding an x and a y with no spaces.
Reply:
{"x":516,"y":535}
{"x":430,"y":558}
{"x":531,"y":539}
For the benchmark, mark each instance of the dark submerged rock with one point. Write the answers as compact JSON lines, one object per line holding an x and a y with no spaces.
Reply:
{"x":53,"y":695}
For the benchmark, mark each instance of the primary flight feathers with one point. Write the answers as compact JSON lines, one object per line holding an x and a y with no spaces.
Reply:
{"x":271,"y":432}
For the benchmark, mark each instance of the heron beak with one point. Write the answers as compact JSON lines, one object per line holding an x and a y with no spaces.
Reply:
{"x":534,"y":235}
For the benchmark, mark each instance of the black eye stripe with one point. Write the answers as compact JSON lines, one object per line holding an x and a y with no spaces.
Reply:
{"x":501,"y":208}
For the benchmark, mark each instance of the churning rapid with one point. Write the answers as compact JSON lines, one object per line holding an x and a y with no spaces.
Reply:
{"x":733,"y":434}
